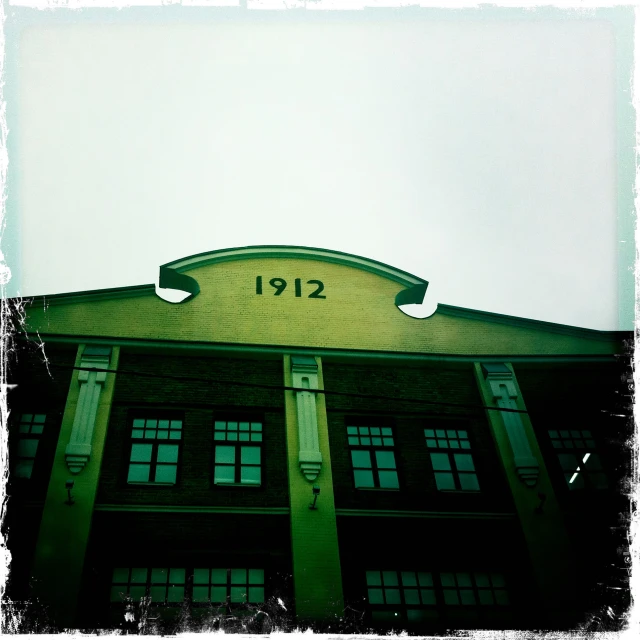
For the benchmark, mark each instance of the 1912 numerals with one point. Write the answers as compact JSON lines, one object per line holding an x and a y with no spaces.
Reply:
{"x":280,"y":284}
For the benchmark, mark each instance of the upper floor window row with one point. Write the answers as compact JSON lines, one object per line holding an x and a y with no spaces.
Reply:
{"x":156,"y":442}
{"x":373,"y":458}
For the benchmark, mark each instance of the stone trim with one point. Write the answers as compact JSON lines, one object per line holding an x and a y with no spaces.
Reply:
{"x":304,"y":372}
{"x":78,"y":451}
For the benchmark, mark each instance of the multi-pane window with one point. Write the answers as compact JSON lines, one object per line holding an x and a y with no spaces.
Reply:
{"x":453,"y":471}
{"x":155,"y":445}
{"x":581,"y":465}
{"x":420,"y":595}
{"x":234,"y":462}
{"x":228,"y":586}
{"x":462,"y":588}
{"x":30,"y":431}
{"x":410,"y":592}
{"x":162,"y":585}
{"x":372,"y":457}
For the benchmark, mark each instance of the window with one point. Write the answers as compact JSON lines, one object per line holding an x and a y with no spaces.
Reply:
{"x":473,"y":589}
{"x":162,"y":585}
{"x":154,"y":450}
{"x":228,"y":586}
{"x":30,"y":431}
{"x":372,"y":457}
{"x":581,"y":465}
{"x":453,"y":471}
{"x":415,"y":596}
{"x":405,"y":595}
{"x":234,"y":462}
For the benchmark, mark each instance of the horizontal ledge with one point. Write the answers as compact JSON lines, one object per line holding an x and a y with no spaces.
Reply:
{"x":387,"y":513}
{"x":332,"y":354}
{"x":160,"y":508}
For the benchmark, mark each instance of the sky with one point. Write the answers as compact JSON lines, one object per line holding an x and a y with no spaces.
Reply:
{"x":487,"y":151}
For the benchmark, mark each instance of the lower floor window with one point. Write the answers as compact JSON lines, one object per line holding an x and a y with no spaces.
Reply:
{"x":222,"y":587}
{"x":414,"y":596}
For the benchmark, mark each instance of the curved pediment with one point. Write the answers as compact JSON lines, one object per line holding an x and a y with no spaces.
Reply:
{"x":173,"y":274}
{"x":299,"y":297}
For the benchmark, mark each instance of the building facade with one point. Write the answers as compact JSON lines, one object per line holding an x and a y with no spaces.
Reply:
{"x":287,"y":448}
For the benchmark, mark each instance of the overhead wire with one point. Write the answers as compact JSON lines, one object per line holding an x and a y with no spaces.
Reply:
{"x":257,"y":385}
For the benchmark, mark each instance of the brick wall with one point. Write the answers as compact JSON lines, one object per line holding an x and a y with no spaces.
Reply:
{"x":417,"y":483}
{"x":127,"y":539}
{"x":197,"y":402}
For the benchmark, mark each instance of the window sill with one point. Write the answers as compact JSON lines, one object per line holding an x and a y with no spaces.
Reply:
{"x":246,"y":485}
{"x":376,"y":489}
{"x":152,"y":484}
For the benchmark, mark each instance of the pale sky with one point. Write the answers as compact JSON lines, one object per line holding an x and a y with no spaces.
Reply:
{"x":487,"y":152}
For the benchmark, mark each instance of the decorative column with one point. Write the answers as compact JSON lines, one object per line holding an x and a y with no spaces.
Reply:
{"x":57,"y":569}
{"x":548,"y":545}
{"x":501,"y":382}
{"x":304,"y":373}
{"x":78,"y":451}
{"x":315,"y":555}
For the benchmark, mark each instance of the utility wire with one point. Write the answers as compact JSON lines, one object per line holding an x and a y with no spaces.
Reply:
{"x":256,"y":385}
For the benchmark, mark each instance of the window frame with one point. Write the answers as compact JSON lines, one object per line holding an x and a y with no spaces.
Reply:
{"x":440,"y":610}
{"x":120,"y":590}
{"x":255,"y":440}
{"x":28,"y":435}
{"x":141,"y":440}
{"x":438,"y":440}
{"x":386,"y":432}
{"x":590,"y":447}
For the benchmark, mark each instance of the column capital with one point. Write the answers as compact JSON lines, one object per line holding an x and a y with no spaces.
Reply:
{"x":78,"y":450}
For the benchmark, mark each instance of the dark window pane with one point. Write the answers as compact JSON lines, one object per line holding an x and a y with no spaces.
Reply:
{"x":373,"y":578}
{"x":485,"y":596}
{"x":469,"y":482}
{"x":444,"y":481}
{"x":225,"y":454}
{"x":138,"y":473}
{"x":218,"y":576}
{"x":385,"y":460}
{"x":409,"y":579}
{"x":256,"y":594}
{"x":361,"y":459}
{"x":250,"y":475}
{"x":440,"y":462}
{"x":388,"y":480}
{"x":392,"y":596}
{"x":201,"y":576}
{"x":464,"y":462}
{"x":224,"y":475}
{"x":168,"y":453}
{"x":238,"y":576}
{"x":389,"y":578}
{"x":447,"y":580}
{"x":200,"y":594}
{"x":363,"y":478}
{"x":411,"y":596}
{"x":218,"y":594}
{"x":428,"y":596}
{"x":250,"y":455}
{"x":166,"y":474}
{"x":467,"y":597}
{"x":238,"y":594}
{"x":451,"y":596}
{"x":159,"y":576}
{"x":256,"y":576}
{"x":138,"y":575}
{"x":375,"y":596}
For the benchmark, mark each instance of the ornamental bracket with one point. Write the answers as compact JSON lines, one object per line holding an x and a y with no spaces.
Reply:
{"x":304,"y":371}
{"x":504,"y":391}
{"x":78,"y":451}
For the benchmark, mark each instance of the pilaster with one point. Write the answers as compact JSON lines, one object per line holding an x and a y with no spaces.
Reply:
{"x":56,"y":573}
{"x":317,"y":577}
